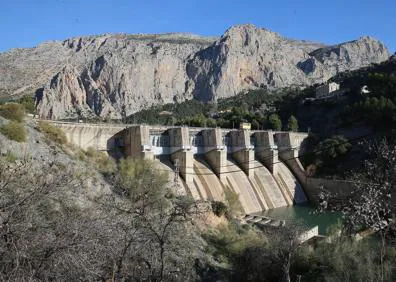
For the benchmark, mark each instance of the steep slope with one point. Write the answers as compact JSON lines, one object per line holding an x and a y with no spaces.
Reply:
{"x":110,"y":75}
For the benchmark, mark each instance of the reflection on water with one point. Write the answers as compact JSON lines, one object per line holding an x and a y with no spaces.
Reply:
{"x":304,"y":213}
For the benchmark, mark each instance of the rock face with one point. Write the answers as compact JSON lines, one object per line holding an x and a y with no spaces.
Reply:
{"x":112,"y":75}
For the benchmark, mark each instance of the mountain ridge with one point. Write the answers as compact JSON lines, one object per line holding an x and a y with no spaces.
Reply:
{"x":109,"y":74}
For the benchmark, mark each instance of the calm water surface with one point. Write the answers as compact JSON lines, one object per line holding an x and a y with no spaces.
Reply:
{"x":305,"y":214}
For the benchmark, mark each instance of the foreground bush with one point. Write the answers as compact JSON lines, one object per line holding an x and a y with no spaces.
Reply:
{"x":12,"y":111}
{"x":52,"y":132}
{"x":14,"y":131}
{"x":28,"y":103}
{"x":103,"y":161}
{"x":219,"y":208}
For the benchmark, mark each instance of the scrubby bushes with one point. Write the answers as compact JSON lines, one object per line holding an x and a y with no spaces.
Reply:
{"x":226,"y":242}
{"x":12,"y":111}
{"x":53,"y":133}
{"x":234,"y":205}
{"x":219,"y":208}
{"x":28,"y":103}
{"x":276,"y":255}
{"x":102,"y":160}
{"x":14,"y":131}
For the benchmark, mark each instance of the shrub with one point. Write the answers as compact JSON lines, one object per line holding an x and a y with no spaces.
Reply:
{"x":292,"y":124}
{"x":219,"y":208}
{"x":28,"y":103}
{"x":234,"y":204}
{"x":332,"y":150}
{"x":14,"y":131}
{"x":81,"y":155}
{"x":102,"y":160}
{"x":275,"y":122}
{"x":52,"y":132}
{"x":12,"y":111}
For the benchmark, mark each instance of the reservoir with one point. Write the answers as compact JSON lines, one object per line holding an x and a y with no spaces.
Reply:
{"x":306,"y":215}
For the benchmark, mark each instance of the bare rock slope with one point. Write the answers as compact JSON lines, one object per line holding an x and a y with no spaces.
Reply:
{"x":111,"y":75}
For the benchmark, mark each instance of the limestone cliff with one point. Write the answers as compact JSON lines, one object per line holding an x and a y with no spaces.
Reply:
{"x":247,"y":57}
{"x":110,"y":74}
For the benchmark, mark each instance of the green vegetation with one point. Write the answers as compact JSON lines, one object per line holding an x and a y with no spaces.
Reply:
{"x":324,"y":157}
{"x":274,"y":122}
{"x":292,"y":124}
{"x":12,"y":111}
{"x":28,"y":103}
{"x":252,"y":255}
{"x":332,"y":150}
{"x":234,"y":205}
{"x":377,"y":108}
{"x":137,"y":226}
{"x":53,"y":133}
{"x":375,"y":112}
{"x":14,"y":131}
{"x":228,"y":241}
{"x":101,"y":160}
{"x":219,"y":208}
{"x":254,"y":107}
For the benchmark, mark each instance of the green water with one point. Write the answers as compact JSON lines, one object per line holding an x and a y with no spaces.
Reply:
{"x":305,"y":215}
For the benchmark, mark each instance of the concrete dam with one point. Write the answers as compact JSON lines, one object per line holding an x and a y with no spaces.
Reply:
{"x":262,"y":167}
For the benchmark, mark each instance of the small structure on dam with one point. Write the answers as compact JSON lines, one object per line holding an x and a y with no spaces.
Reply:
{"x":262,"y":167}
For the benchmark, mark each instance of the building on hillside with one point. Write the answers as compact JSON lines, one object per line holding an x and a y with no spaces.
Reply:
{"x":327,"y":90}
{"x":364,"y":90}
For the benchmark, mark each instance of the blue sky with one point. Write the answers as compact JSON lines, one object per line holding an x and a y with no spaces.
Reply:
{"x":25,"y":23}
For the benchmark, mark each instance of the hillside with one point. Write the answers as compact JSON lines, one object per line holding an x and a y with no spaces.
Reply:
{"x":328,"y":116}
{"x":107,"y":75}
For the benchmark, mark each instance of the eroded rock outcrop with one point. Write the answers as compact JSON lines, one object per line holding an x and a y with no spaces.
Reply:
{"x":109,"y":75}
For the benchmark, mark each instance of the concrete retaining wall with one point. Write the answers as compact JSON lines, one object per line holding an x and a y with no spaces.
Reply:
{"x":99,"y":136}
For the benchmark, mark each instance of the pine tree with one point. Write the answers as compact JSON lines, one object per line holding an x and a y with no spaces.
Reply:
{"x":275,"y":122}
{"x":292,"y":124}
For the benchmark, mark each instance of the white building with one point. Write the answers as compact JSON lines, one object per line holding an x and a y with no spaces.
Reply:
{"x":327,"y":89}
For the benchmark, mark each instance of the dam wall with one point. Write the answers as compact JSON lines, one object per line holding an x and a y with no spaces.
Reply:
{"x":102,"y":137}
{"x":211,"y":162}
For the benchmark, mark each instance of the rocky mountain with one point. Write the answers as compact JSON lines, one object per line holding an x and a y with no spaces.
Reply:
{"x":110,"y":75}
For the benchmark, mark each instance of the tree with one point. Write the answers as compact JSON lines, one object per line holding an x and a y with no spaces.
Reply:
{"x":331,"y":151}
{"x":141,"y":231}
{"x":154,"y":225}
{"x":43,"y":237}
{"x":292,"y":124}
{"x":271,"y":261}
{"x":274,"y":122}
{"x":369,"y":204}
{"x":284,"y":245}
